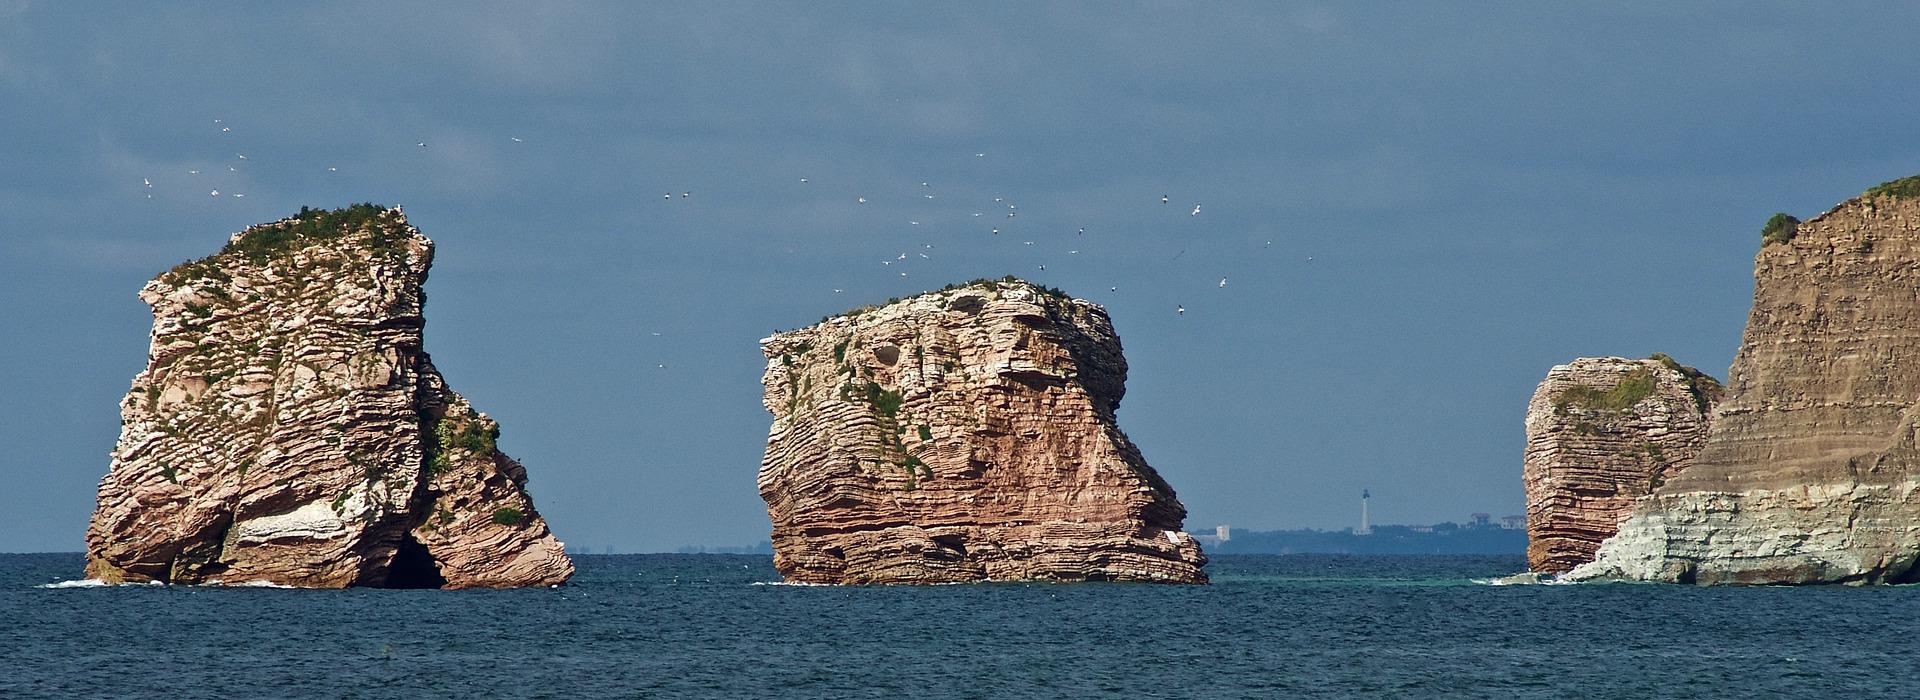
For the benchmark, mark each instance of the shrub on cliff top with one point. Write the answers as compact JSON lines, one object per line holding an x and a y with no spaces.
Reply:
{"x":1701,"y":385}
{"x":1780,"y":228}
{"x":1903,"y":188}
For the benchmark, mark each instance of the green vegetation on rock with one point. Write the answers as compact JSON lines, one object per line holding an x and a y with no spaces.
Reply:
{"x":1635,"y":386}
{"x":1780,"y":228}
{"x":1903,"y":188}
{"x":508,"y":516}
{"x":1702,"y":386}
{"x":268,"y":241}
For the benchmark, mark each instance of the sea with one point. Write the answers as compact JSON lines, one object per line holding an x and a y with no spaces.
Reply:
{"x":723,"y":626}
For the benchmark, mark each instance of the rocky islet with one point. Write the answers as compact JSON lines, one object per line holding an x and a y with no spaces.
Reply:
{"x":290,"y":429}
{"x":963,"y":435}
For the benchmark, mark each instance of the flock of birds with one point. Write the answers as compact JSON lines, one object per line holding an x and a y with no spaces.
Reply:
{"x":1012,"y":211}
{"x":1006,"y":217}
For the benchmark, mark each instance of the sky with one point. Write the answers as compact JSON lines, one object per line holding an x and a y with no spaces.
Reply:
{"x":1419,"y":208}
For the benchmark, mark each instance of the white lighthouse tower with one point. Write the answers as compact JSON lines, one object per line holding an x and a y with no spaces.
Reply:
{"x":1366,"y":528}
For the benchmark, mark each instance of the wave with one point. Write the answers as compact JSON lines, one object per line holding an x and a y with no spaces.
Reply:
{"x":93,"y":583}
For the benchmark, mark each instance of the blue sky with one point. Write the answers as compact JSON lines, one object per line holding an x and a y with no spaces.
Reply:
{"x":1485,"y":190}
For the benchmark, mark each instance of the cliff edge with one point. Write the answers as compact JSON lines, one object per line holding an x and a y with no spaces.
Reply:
{"x":1810,"y":472}
{"x":289,"y":429}
{"x":962,"y":435}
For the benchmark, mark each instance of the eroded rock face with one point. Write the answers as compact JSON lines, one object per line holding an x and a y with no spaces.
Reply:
{"x":289,"y":429}
{"x":1810,"y":473}
{"x":1602,"y":432}
{"x":963,"y":435}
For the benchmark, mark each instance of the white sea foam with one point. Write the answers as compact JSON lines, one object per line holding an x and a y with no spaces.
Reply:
{"x":76,"y":583}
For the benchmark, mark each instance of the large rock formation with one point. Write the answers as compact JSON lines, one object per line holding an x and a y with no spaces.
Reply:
{"x":963,"y":435}
{"x":1602,"y":432}
{"x":1810,"y":473}
{"x":289,"y":429}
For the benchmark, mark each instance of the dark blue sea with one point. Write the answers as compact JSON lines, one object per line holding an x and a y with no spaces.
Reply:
{"x":699,"y":626}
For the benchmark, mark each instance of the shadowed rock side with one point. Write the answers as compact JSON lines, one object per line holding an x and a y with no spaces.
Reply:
{"x":1810,"y":472}
{"x":289,"y":429}
{"x":1602,"y":432}
{"x":963,"y":435}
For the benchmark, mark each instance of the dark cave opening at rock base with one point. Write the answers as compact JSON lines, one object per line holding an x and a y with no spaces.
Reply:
{"x":413,"y":567}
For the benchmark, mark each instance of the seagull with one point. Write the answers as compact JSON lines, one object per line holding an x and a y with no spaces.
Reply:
{"x":668,"y":196}
{"x":1113,"y":289}
{"x":231,"y":169}
{"x":903,"y":256}
{"x":1196,"y":210}
{"x":1043,"y":268}
{"x":422,"y":144}
{"x":1073,"y":252}
{"x":1082,"y":232}
{"x":924,"y":184}
{"x":193,"y":172}
{"x":928,"y":196}
{"x":683,"y":195}
{"x":239,"y":195}
{"x":1309,"y":258}
{"x":886,"y":262}
{"x":1163,"y":199}
{"x":976,"y":213}
{"x":144,"y":181}
{"x":903,"y":274}
{"x":803,"y":179}
{"x":215,"y":193}
{"x":333,"y":170}
{"x":1180,"y":310}
{"x":243,"y":156}
{"x":1223,"y":283}
{"x":996,"y":232}
{"x":924,"y":255}
{"x":226,"y":129}
{"x":1027,"y":242}
{"x":516,"y":139}
{"x":1268,"y":245}
{"x":979,"y":155}
{"x":860,"y":200}
{"x":916,"y":223}
{"x":837,"y":291}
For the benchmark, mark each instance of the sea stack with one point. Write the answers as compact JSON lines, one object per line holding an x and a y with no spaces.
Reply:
{"x":1602,"y":432}
{"x":1810,"y":473}
{"x":963,"y":435}
{"x":289,"y":429}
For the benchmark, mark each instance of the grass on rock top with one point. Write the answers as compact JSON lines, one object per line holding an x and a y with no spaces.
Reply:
{"x":262,"y":243}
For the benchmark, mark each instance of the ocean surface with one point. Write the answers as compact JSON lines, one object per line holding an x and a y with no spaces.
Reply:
{"x":712,"y":626}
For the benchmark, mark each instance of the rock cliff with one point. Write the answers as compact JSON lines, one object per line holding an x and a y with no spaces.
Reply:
{"x":1602,"y":432}
{"x":963,"y":435}
{"x":1810,"y":472}
{"x":289,"y":429}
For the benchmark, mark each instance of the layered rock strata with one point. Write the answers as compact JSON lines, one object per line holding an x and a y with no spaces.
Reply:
{"x":963,"y":435}
{"x":1602,"y":432}
{"x":289,"y":429}
{"x":1810,"y":473}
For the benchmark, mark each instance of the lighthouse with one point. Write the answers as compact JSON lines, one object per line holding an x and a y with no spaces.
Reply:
{"x":1365,"y":527}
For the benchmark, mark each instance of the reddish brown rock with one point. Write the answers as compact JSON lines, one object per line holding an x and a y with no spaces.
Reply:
{"x":1811,"y":473}
{"x":963,"y":435}
{"x":289,"y":429}
{"x":1602,"y":432}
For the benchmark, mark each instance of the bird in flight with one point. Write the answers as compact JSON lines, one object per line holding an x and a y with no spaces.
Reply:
{"x":1163,"y":199}
{"x":1196,"y":210}
{"x":1180,"y":311}
{"x":1223,"y":283}
{"x":516,"y":139}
